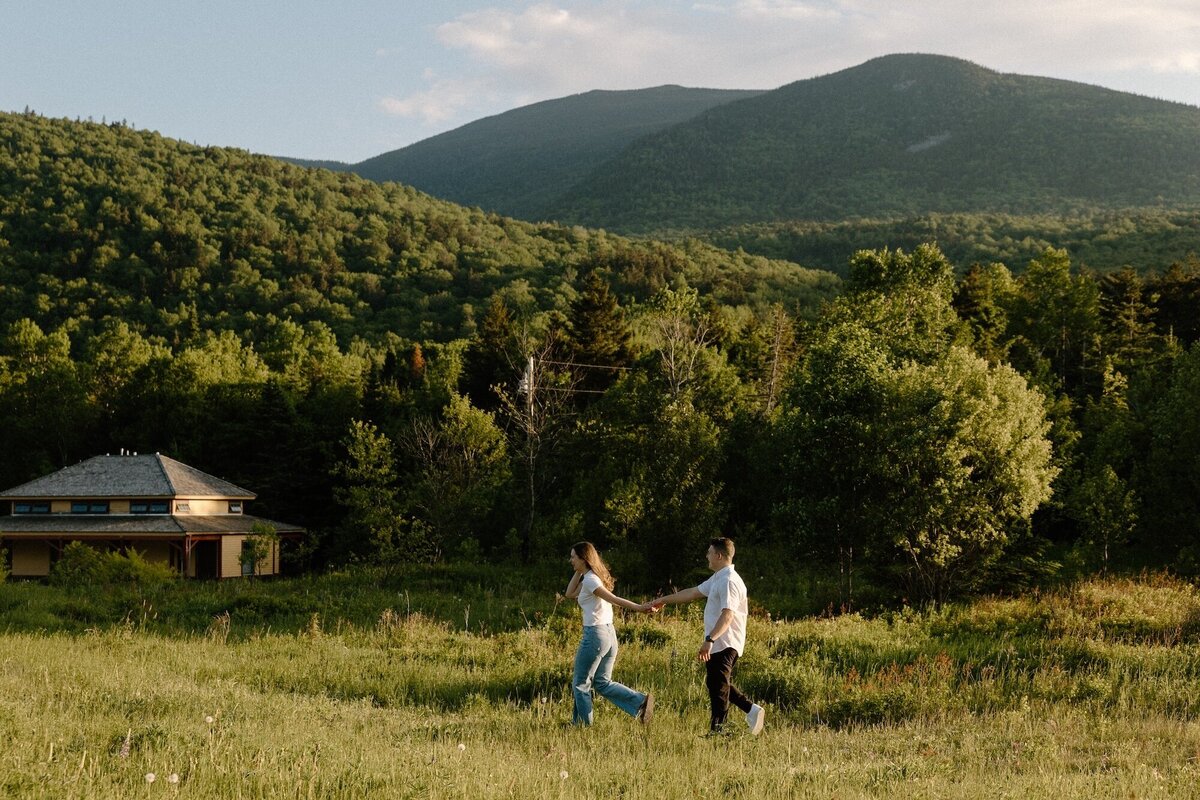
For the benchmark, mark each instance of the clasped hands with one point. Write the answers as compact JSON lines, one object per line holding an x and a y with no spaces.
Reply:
{"x":653,"y":607}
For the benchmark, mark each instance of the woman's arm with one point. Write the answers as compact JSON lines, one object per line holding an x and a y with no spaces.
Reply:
{"x":605,"y":594}
{"x":573,"y":587}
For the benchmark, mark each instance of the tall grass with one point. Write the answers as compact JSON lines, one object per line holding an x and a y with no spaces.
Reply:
{"x":399,"y":691}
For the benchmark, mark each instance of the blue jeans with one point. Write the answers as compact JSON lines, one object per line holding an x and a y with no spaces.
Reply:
{"x":593,"y":669}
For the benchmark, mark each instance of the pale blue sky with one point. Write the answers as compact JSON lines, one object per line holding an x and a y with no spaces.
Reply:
{"x":349,"y":80}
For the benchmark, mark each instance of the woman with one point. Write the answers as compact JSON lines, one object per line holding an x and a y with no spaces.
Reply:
{"x":592,"y":586}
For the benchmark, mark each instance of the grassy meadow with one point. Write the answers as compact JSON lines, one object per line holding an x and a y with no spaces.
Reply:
{"x":453,"y":684}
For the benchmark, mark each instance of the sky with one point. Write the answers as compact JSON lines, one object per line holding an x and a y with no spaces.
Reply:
{"x":349,"y":79}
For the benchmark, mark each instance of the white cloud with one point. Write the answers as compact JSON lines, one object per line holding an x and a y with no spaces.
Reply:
{"x":439,"y":103}
{"x":548,"y":47}
{"x":790,"y":10}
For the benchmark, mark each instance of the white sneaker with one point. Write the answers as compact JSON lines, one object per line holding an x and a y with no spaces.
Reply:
{"x":754,"y":718}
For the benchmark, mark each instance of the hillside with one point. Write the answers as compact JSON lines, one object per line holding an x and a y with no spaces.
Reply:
{"x":518,"y":162}
{"x":899,"y":135}
{"x":103,"y":221}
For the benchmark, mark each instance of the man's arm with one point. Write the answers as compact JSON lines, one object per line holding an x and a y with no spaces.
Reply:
{"x":682,"y":596}
{"x":723,"y":623}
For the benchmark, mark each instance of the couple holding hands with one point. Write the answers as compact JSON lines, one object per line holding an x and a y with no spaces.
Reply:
{"x":725,"y":612}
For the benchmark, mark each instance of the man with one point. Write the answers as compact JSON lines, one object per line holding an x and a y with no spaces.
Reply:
{"x":725,"y":613}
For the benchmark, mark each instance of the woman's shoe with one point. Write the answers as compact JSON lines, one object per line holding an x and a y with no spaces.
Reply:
{"x":646,"y":710}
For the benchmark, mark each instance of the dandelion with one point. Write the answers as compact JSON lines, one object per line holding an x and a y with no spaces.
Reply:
{"x":209,"y":719}
{"x":461,"y":747}
{"x":563,"y":775}
{"x":173,"y":777}
{"x":150,"y":777}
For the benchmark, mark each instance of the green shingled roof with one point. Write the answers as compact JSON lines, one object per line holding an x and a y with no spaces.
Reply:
{"x":140,"y":476}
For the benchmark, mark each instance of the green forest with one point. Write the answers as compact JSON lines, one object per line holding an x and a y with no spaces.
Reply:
{"x":411,"y":379}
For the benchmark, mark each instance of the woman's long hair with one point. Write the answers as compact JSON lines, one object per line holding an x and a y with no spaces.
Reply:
{"x":591,"y":556}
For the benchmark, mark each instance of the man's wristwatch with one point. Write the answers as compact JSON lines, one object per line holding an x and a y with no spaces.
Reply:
{"x":708,"y":639}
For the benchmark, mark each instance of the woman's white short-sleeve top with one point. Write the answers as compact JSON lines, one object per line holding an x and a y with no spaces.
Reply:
{"x":596,"y":610}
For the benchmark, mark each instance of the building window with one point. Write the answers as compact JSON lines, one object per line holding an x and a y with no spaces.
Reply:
{"x":247,"y":562}
{"x":31,"y":508}
{"x":148,"y":507}
{"x":182,"y":508}
{"x":235,"y":506}
{"x":86,"y":507}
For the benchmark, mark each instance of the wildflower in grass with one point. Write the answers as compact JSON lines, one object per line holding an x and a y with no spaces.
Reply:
{"x":209,"y":719}
{"x":461,"y":747}
{"x":173,"y":777}
{"x":150,"y":777}
{"x":563,"y":775}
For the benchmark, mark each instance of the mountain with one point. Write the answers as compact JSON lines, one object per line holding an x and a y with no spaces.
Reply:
{"x":899,"y":135}
{"x":518,"y":162}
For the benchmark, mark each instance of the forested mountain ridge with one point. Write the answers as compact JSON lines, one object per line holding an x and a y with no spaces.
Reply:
{"x":100,"y":221}
{"x":900,"y":135}
{"x":517,"y":163}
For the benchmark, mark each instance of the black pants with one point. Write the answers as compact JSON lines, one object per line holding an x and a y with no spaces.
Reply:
{"x":721,"y":691}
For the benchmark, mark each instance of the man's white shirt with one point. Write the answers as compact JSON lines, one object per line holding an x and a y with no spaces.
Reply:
{"x":725,"y":589}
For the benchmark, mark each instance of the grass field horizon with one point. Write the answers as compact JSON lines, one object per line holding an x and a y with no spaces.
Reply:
{"x":456,"y":685}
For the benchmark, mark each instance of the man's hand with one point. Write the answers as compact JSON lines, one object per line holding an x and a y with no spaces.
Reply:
{"x":705,"y":650}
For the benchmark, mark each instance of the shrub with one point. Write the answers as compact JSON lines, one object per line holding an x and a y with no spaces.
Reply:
{"x":82,"y":565}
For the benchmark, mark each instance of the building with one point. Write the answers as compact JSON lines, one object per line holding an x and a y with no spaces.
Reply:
{"x":167,"y":511}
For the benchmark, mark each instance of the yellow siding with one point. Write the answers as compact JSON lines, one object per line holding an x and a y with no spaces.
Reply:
{"x":60,"y":506}
{"x":118,"y":507}
{"x":202,"y":507}
{"x":270,"y":565}
{"x":30,"y":558}
{"x":231,"y":556}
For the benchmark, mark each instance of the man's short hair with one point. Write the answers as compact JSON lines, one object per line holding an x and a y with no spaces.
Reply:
{"x":722,"y":545}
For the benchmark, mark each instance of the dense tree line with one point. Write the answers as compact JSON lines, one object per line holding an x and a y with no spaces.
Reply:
{"x":1148,"y":239}
{"x":927,"y":432}
{"x":924,"y":436}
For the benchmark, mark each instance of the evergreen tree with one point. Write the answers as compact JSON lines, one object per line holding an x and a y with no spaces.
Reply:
{"x":491,"y":360}
{"x":598,"y":338}
{"x":1127,"y":317}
